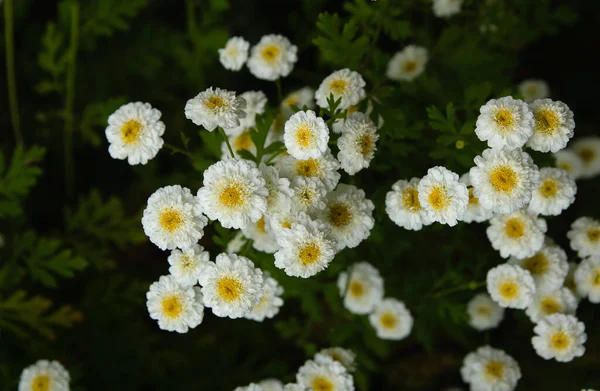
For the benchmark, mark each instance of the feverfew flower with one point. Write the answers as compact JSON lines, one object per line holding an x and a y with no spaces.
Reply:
{"x":134,"y":133}
{"x":270,"y":301}
{"x":554,"y":125}
{"x":446,"y":8}
{"x":532,"y":89}
{"x":570,"y":162}
{"x":475,"y":212}
{"x":176,"y":307}
{"x":560,"y":337}
{"x":363,"y":291}
{"x":309,"y":195}
{"x":443,"y":197}
{"x":236,"y":244}
{"x":235,"y":53}
{"x":587,"y":278}
{"x":255,"y":104}
{"x":357,"y":143}
{"x":510,"y":286}
{"x":280,"y":194}
{"x":273,"y":57}
{"x":271,"y":385}
{"x":391,"y":319}
{"x":173,"y":218}
{"x":555,"y":193}
{"x":325,"y":375}
{"x":548,"y":267}
{"x":240,"y":141}
{"x":345,"y":84}
{"x":517,"y":234}
{"x":231,"y":286}
{"x":588,"y":149}
{"x":503,"y":180}
{"x":560,"y":301}
{"x":491,"y":370}
{"x":324,"y":168}
{"x":585,"y":236}
{"x":306,"y":135}
{"x":403,"y":207}
{"x":45,"y":375}
{"x":484,"y":313}
{"x":234,"y":193}
{"x":407,"y":64}
{"x":281,"y":221}
{"x":299,"y":98}
{"x":187,"y":265}
{"x":343,"y":356}
{"x":249,"y":387}
{"x":261,"y":240}
{"x":294,"y":387}
{"x":505,"y":122}
{"x":215,"y":107}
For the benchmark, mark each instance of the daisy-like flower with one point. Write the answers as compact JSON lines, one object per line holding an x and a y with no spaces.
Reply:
{"x":280,"y":194}
{"x":281,"y":221}
{"x":234,"y":193}
{"x":570,"y":162}
{"x":532,"y":89}
{"x":403,"y":207}
{"x":588,"y":149}
{"x":363,"y":290}
{"x":173,"y":218}
{"x":505,"y":122}
{"x":446,"y":8}
{"x":294,"y":387}
{"x":231,"y":286}
{"x":261,"y":240}
{"x":554,"y":125}
{"x":475,"y":212}
{"x":391,"y":319}
{"x":555,"y":193}
{"x":585,"y":236}
{"x":273,"y":57}
{"x":443,"y":197}
{"x":271,"y":385}
{"x":407,"y":64}
{"x":235,"y":53}
{"x":324,"y":168}
{"x":187,"y":265}
{"x":327,"y":375}
{"x":236,"y":244}
{"x":517,"y":234}
{"x":490,"y":369}
{"x":255,"y":104}
{"x":357,"y":143}
{"x":587,"y":278}
{"x":504,"y":180}
{"x":560,"y":301}
{"x":270,"y":301}
{"x":306,"y":135}
{"x":134,"y":133}
{"x":510,"y":286}
{"x":345,"y":84}
{"x":299,"y":98}
{"x":548,"y":267}
{"x":484,"y":313}
{"x":349,"y":215}
{"x":343,"y":356}
{"x":240,"y":142}
{"x":249,"y":387}
{"x":216,"y":107}
{"x":306,"y":248}
{"x":176,"y":307}
{"x":45,"y":375}
{"x":560,"y":337}
{"x":309,"y":195}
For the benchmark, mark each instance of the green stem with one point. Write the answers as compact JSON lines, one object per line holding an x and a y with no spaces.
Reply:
{"x":70,"y":98}
{"x":279,"y":92}
{"x":10,"y":70}
{"x":464,"y":287}
{"x":222,"y":132}
{"x":191,"y":20}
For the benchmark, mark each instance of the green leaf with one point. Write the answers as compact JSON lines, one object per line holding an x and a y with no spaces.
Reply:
{"x":95,"y":118}
{"x":105,"y":17}
{"x":18,"y":178}
{"x":340,"y":44}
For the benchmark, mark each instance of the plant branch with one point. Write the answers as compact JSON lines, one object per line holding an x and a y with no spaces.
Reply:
{"x":10,"y":70}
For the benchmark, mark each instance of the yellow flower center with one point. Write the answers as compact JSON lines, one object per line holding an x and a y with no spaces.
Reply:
{"x":531,"y":91}
{"x":232,"y":51}
{"x":229,"y":288}
{"x":503,"y":178}
{"x":304,"y":136}
{"x":509,"y":290}
{"x":320,"y":383}
{"x":565,"y":166}
{"x":40,"y":383}
{"x":410,"y":199}
{"x":286,"y":224}
{"x":215,"y":103}
{"x":388,"y":320}
{"x":309,"y":253}
{"x":290,"y":100}
{"x":596,"y":279}
{"x":550,"y":305}
{"x":131,"y":131}
{"x":484,"y":310}
{"x":308,"y":168}
{"x":172,"y":306}
{"x":170,"y":219}
{"x":409,"y":66}
{"x":340,"y":215}
{"x":270,"y":53}
{"x":546,"y":121}
{"x":586,"y":154}
{"x":472,"y":199}
{"x":260,"y":224}
{"x":515,"y":228}
{"x":186,"y":262}
{"x":549,"y":188}
{"x":365,"y":144}
{"x":352,"y":109}
{"x":560,"y":341}
{"x":505,"y":120}
{"x":494,"y":370}
{"x":307,"y":196}
{"x":459,"y":144}
{"x":232,"y":196}
{"x":593,"y":234}
{"x":537,"y":265}
{"x":243,"y":141}
{"x":356,"y":289}
{"x":338,"y":86}
{"x":438,"y":199}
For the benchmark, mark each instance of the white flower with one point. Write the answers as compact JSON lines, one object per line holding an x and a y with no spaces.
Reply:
{"x":255,"y":104}
{"x":505,"y":122}
{"x":443,"y":197}
{"x":532,"y":89}
{"x":273,"y":57}
{"x":585,"y":236}
{"x":270,"y":301}
{"x":280,"y":194}
{"x":407,"y":64}
{"x":475,"y":212}
{"x":391,"y":319}
{"x":345,"y":84}
{"x":309,"y":195}
{"x":306,"y":248}
{"x":173,"y":218}
{"x":231,"y":286}
{"x":249,"y":387}
{"x":587,"y":278}
{"x":343,"y":356}
{"x":403,"y":207}
{"x":294,"y":387}
{"x":548,"y":267}
{"x":306,"y":135}
{"x":357,"y":143}
{"x":560,"y":337}
{"x":555,"y":193}
{"x":45,"y":375}
{"x":271,"y":385}
{"x":281,"y":221}
{"x":349,"y":215}
{"x":588,"y":149}
{"x":446,"y":8}
{"x":235,"y":53}
{"x":176,"y":307}
{"x":134,"y":132}
{"x":489,"y":369}
{"x":570,"y":162}
{"x":187,"y":265}
{"x":299,"y":98}
{"x":363,"y":291}
{"x":324,"y":168}
{"x":327,"y":375}
{"x":241,"y":141}
{"x":261,"y":240}
{"x":554,"y":125}
{"x":517,"y":234}
{"x":560,"y":301}
{"x":234,"y":193}
{"x":503,"y":180}
{"x":236,"y":244}
{"x":484,"y":313}
{"x":218,"y":107}
{"x":510,"y":286}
